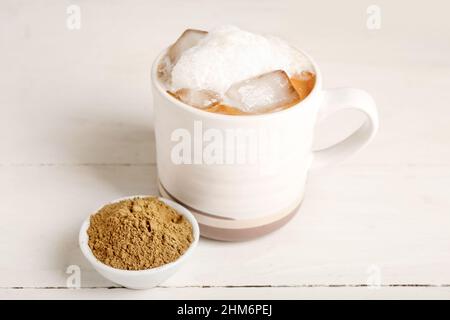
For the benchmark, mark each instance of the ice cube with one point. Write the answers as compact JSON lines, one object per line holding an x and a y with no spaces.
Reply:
{"x":188,"y":39}
{"x":265,"y":93}
{"x":198,"y":98}
{"x":165,"y":70}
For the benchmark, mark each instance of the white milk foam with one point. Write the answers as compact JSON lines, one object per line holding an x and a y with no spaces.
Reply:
{"x":227,"y":55}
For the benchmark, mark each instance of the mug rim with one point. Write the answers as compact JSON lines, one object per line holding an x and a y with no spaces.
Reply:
{"x":219,"y":116}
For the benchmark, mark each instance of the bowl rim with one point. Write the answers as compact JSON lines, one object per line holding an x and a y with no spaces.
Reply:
{"x":83,"y":240}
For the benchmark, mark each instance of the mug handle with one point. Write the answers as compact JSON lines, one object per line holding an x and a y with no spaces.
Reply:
{"x":340,"y":99}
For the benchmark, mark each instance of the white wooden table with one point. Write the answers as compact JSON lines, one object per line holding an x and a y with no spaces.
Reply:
{"x":76,"y":131}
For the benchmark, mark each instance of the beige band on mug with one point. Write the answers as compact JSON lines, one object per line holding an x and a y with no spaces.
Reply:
{"x":209,"y":219}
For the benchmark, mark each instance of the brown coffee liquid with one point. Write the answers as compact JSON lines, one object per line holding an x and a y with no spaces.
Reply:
{"x":302,"y":83}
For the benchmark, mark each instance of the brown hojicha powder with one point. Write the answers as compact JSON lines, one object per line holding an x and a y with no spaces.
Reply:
{"x":138,"y":234}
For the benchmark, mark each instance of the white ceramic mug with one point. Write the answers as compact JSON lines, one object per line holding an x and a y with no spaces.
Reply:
{"x":239,"y":201}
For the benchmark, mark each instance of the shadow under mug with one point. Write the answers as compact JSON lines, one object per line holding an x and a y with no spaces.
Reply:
{"x":240,"y":200}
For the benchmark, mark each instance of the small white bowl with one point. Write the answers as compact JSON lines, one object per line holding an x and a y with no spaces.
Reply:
{"x":140,"y":279}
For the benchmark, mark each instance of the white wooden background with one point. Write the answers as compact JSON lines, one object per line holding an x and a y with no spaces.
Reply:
{"x":76,"y":131}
